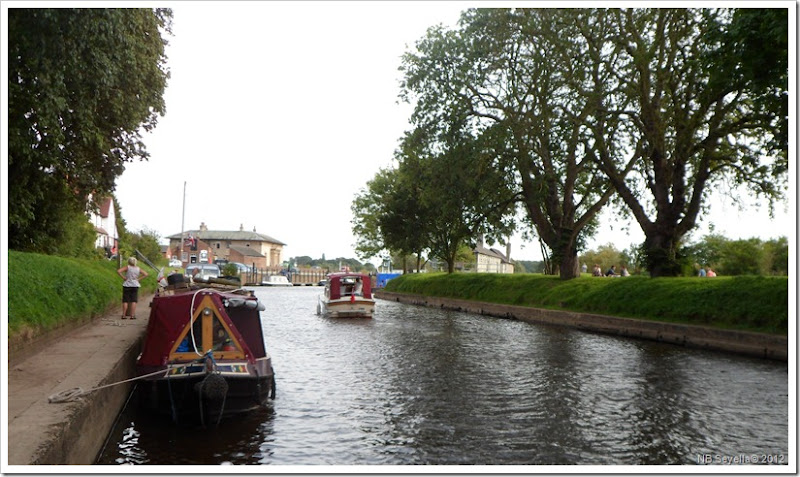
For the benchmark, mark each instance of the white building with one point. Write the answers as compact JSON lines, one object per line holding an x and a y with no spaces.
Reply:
{"x":490,"y":260}
{"x":104,"y":220}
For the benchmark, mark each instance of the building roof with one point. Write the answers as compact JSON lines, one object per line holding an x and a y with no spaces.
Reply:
{"x":239,"y":235}
{"x":491,"y":252}
{"x":105,"y":207}
{"x":246,"y":251}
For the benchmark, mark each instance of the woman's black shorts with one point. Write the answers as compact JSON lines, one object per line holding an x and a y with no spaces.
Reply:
{"x":130,"y":294}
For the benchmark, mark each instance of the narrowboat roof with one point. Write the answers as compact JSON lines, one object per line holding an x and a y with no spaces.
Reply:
{"x":170,"y":316}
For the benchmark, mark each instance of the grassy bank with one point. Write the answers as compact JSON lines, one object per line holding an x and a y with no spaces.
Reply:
{"x":748,"y":303}
{"x":45,"y":292}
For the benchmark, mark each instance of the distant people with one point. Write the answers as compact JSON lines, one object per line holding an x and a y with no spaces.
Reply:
{"x":624,"y":271}
{"x":711,"y":273}
{"x":358,"y":287}
{"x":584,"y":268}
{"x":596,"y":271}
{"x":130,"y":287}
{"x":612,"y":272}
{"x":702,"y":272}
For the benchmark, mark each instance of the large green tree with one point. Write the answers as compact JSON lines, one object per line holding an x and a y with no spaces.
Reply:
{"x":533,"y":78}
{"x":698,"y":122}
{"x":462,"y":191}
{"x":83,"y":84}
{"x":441,"y":196}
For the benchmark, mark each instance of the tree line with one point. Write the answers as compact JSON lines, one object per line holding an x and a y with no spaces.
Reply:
{"x":727,"y":257}
{"x":537,"y":119}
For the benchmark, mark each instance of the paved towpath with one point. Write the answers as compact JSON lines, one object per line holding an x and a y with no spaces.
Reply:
{"x":99,"y":353}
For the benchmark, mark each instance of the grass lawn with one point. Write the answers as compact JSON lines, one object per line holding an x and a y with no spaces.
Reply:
{"x":749,"y":303}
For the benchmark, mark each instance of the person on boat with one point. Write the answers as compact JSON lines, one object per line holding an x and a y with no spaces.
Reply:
{"x":130,"y":287}
{"x":358,"y":287}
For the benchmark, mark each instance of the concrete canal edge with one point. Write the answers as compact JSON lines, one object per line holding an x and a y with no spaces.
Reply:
{"x":100,"y":353}
{"x":759,"y":345}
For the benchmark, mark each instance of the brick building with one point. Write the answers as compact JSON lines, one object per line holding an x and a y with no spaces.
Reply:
{"x":205,"y":246}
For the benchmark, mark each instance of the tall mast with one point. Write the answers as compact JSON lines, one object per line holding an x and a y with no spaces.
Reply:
{"x":183,"y":216}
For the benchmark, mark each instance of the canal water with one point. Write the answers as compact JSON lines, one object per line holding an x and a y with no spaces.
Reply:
{"x":418,"y":385}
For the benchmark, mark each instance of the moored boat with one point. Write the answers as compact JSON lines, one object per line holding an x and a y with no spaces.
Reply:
{"x":347,"y":295}
{"x":203,"y":357}
{"x":276,"y":281}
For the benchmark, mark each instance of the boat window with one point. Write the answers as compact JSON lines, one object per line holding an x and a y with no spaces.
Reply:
{"x":221,"y":340}
{"x":210,"y":333}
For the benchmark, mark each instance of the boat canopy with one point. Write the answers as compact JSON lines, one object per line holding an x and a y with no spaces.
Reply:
{"x":226,"y":323}
{"x":341,"y":284}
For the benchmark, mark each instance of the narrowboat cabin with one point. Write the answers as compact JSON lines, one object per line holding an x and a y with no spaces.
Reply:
{"x":347,"y":295}
{"x":203,"y":356}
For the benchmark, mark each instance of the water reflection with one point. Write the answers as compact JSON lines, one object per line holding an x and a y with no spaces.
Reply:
{"x":425,"y":386}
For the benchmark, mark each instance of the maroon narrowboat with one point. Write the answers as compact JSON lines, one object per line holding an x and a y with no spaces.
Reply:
{"x":347,"y":295}
{"x":203,"y":356}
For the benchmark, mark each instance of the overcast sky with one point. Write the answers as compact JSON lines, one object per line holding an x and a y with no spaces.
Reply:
{"x":277,"y":114}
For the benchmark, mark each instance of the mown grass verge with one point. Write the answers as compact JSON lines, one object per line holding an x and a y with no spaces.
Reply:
{"x":45,"y":292}
{"x":748,"y":303}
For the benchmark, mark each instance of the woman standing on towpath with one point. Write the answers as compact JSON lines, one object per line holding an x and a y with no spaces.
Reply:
{"x":130,"y":287}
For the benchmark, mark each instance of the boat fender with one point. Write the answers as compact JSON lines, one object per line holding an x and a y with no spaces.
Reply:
{"x":235,"y":302}
{"x":214,"y":387}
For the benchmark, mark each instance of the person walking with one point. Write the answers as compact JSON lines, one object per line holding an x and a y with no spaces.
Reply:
{"x":130,"y":287}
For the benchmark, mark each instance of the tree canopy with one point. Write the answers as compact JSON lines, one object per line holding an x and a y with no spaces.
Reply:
{"x":657,"y":106}
{"x":83,"y":84}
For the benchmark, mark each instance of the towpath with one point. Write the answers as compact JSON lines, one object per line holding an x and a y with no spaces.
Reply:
{"x":98,"y":353}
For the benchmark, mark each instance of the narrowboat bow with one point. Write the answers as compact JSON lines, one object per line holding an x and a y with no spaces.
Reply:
{"x":203,"y":356}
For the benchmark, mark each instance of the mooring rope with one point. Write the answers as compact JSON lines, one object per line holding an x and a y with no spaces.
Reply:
{"x":76,"y":393}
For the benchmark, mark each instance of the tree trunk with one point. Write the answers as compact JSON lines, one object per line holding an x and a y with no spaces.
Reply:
{"x":661,"y":254}
{"x":565,"y":255}
{"x":568,"y":268}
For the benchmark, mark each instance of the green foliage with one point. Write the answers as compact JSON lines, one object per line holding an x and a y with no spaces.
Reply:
{"x":605,"y":256}
{"x":743,"y":303}
{"x":82,"y":86}
{"x":753,"y":52}
{"x":776,"y":257}
{"x":659,"y":105}
{"x":47,"y":291}
{"x":520,"y":81}
{"x":145,"y":241}
{"x":230,"y":270}
{"x":367,"y":207}
{"x":528,"y":266}
{"x":741,"y":257}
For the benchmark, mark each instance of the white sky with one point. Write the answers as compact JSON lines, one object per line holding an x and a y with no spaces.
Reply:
{"x":278,"y":113}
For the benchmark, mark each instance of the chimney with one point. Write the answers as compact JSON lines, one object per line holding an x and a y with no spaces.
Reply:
{"x":254,"y":228}
{"x":203,"y":227}
{"x":508,"y":250}
{"x":241,"y":227}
